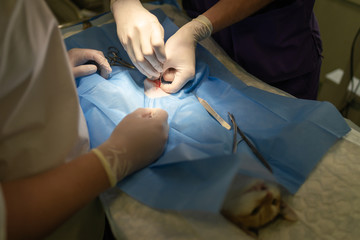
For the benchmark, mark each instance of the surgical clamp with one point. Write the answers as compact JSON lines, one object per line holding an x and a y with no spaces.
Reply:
{"x":113,"y":56}
{"x":251,"y":146}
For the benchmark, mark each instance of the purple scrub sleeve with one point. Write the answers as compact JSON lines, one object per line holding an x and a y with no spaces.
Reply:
{"x":280,"y":44}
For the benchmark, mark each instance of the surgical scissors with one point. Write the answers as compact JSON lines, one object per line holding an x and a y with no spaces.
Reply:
{"x":251,"y":146}
{"x":113,"y":56}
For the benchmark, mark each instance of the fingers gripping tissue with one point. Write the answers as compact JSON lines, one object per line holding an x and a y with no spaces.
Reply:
{"x":180,"y":53}
{"x":141,"y":34}
{"x":152,"y":89}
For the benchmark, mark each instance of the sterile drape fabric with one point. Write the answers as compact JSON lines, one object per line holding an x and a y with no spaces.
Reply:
{"x":197,"y":166}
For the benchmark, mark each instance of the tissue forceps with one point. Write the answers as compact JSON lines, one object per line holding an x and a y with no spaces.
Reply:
{"x":113,"y":56}
{"x":251,"y":146}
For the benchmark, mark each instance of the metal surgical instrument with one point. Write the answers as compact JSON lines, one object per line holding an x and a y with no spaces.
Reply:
{"x":212,"y":112}
{"x":252,"y":147}
{"x":113,"y":56}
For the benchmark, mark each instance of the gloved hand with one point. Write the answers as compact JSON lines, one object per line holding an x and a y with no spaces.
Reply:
{"x":180,"y":53}
{"x":141,"y":35}
{"x":136,"y":141}
{"x":79,"y":56}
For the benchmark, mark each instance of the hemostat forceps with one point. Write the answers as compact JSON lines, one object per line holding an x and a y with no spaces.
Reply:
{"x":251,"y":146}
{"x":113,"y":56}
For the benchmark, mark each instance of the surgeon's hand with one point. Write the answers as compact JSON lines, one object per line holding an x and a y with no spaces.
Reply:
{"x":87,"y":61}
{"x":137,"y":140}
{"x":180,"y":53}
{"x":141,"y":35}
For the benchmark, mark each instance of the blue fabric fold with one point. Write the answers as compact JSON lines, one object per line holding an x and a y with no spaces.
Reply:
{"x":197,"y":166}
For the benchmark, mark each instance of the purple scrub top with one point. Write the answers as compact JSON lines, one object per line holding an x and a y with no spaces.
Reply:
{"x":280,"y":44}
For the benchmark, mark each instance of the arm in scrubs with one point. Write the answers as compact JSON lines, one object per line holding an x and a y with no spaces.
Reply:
{"x":47,"y":173}
{"x":278,"y":41}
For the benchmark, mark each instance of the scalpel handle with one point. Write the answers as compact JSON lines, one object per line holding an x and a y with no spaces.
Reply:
{"x":212,"y":112}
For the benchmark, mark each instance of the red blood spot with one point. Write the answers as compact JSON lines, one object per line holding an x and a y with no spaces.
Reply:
{"x":157,"y":83}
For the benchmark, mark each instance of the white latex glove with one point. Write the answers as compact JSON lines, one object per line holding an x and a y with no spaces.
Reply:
{"x":180,"y":53}
{"x":79,"y":56}
{"x":137,"y":140}
{"x":141,"y":35}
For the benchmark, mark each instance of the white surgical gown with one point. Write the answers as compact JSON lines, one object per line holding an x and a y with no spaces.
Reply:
{"x":41,"y":124}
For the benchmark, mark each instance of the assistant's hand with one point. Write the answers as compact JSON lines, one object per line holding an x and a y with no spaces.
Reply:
{"x":180,"y":53}
{"x":79,"y":56}
{"x":142,"y":36}
{"x":137,"y":140}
